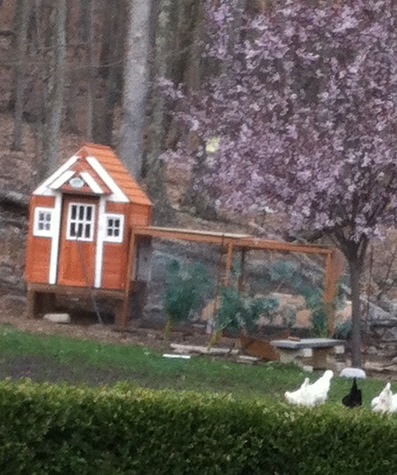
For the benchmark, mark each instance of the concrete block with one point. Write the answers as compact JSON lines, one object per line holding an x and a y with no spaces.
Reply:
{"x":57,"y":317}
{"x":306,"y":352}
{"x":339,"y":350}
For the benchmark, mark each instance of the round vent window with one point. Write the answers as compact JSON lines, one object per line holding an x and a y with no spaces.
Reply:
{"x":76,"y":182}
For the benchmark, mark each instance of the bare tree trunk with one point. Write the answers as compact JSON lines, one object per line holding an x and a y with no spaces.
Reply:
{"x":355,"y":275}
{"x":20,"y":71}
{"x":197,"y":203}
{"x":86,"y":40}
{"x":103,"y":115}
{"x":55,"y":85}
{"x":154,"y":169}
{"x":110,"y":73}
{"x":109,"y":29}
{"x":89,"y":6}
{"x":136,"y":76}
{"x":17,"y":20}
{"x":73,"y":75}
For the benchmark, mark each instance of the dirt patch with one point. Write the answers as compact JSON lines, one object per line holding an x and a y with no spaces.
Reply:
{"x":85,"y":327}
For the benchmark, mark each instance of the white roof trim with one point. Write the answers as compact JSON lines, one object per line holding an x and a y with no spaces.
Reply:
{"x":108,"y":180}
{"x":92,"y":183}
{"x":62,"y":169}
{"x":62,"y":179}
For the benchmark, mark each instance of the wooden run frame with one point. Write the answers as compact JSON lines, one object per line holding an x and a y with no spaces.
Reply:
{"x":231,"y":242}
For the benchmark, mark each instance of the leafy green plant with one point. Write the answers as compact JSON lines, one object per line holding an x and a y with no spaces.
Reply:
{"x":237,"y":312}
{"x":186,"y":288}
{"x":343,"y":330}
{"x":288,"y":273}
{"x":315,"y":303}
{"x":289,"y":318}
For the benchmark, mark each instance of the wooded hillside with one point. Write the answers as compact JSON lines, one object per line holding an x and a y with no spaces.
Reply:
{"x":88,"y":69}
{"x":74,"y":71}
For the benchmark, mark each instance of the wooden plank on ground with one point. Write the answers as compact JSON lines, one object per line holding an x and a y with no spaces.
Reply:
{"x":203,"y":350}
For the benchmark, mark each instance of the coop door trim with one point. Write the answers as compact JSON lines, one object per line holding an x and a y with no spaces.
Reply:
{"x":100,"y":241}
{"x":56,"y":223}
{"x":81,"y":222}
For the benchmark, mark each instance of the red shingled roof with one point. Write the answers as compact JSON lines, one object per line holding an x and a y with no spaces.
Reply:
{"x":113,"y":165}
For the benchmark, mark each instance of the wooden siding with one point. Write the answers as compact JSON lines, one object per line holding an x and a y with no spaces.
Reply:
{"x":140,"y":215}
{"x":38,"y":249}
{"x":117,"y":208}
{"x":114,"y":263}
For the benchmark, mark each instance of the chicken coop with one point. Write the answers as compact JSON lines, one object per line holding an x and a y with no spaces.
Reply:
{"x":80,"y":222}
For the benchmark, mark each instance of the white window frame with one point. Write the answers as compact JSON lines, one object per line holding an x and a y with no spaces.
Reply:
{"x":82,"y":221}
{"x":120,"y":237}
{"x":37,"y":221}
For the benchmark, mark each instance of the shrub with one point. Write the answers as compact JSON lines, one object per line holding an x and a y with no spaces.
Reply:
{"x":237,"y":312}
{"x":343,"y":330}
{"x":288,"y":273}
{"x":59,"y":429}
{"x":185,"y":289}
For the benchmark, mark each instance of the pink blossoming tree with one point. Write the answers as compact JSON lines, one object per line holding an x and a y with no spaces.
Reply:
{"x":300,"y":110}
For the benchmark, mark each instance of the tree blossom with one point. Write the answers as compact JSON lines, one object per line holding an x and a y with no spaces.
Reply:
{"x":302,"y":104}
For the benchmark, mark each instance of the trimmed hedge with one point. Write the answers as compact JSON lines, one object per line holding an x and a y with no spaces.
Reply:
{"x":48,"y":429}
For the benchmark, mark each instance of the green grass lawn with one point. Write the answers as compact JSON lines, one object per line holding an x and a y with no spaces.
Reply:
{"x":58,"y":359}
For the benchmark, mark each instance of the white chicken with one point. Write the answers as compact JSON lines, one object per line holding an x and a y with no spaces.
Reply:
{"x":386,"y":402}
{"x":311,"y":394}
{"x":299,"y":396}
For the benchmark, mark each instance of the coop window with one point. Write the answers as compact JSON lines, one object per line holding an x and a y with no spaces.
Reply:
{"x":81,"y":222}
{"x":42,"y":222}
{"x":114,"y":228}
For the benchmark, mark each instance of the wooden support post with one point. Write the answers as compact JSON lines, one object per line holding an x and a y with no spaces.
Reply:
{"x":39,"y":303}
{"x":241,"y":279}
{"x":31,"y":303}
{"x":228,"y":263}
{"x":127,"y":290}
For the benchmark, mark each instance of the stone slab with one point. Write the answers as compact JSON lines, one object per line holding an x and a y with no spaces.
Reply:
{"x":307,"y":343}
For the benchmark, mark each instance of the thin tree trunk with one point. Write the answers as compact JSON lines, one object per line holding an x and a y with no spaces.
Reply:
{"x":17,"y":20}
{"x":109,"y":29}
{"x":136,"y":76}
{"x":73,"y":73}
{"x":55,"y":85}
{"x":86,"y":36}
{"x":190,"y":40}
{"x":110,"y":73}
{"x":20,"y":72}
{"x":155,"y":170}
{"x":71,"y":123}
{"x":355,"y":275}
{"x":91,"y":72}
